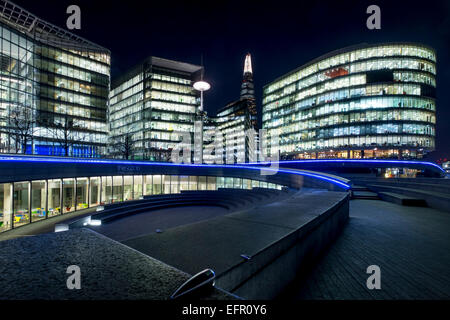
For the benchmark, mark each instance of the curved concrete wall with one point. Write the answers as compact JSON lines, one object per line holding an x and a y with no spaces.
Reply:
{"x":269,"y":271}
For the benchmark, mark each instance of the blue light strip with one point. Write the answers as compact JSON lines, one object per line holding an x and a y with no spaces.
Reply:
{"x":355,"y":161}
{"x":104,"y":161}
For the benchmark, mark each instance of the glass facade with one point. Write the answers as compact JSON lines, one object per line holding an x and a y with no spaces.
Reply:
{"x":150,"y":107}
{"x":363,"y":102}
{"x":38,"y":198}
{"x":233,"y":121}
{"x":30,"y":201}
{"x":53,"y":90}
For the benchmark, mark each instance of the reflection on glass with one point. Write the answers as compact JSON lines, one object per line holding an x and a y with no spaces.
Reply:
{"x":21,"y":214}
{"x":54,"y":197}
{"x":38,"y":210}
{"x":128,"y":188}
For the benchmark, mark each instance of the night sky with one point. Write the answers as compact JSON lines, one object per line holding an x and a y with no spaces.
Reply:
{"x":280,"y":35}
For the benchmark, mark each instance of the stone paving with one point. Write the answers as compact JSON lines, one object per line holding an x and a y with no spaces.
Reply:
{"x":35,"y":268}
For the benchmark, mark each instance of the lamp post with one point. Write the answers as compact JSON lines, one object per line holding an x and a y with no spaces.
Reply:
{"x":198,"y":138}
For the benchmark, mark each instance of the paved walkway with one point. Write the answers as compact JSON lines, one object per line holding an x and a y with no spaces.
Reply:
{"x":218,"y":243}
{"x":411,"y":246}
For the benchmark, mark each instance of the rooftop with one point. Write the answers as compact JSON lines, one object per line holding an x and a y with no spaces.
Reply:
{"x":33,"y":26}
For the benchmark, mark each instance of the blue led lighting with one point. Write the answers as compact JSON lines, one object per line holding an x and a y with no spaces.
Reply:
{"x":355,"y":161}
{"x":130,"y":162}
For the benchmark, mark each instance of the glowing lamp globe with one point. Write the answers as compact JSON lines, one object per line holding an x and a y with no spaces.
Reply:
{"x":202,"y":86}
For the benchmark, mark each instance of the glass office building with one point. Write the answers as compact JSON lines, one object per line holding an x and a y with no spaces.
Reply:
{"x":234,"y":122}
{"x":365,"y":101}
{"x":53,"y":88}
{"x":150,"y":107}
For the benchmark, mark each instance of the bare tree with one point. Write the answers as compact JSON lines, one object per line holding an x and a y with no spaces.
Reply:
{"x":122,"y":146}
{"x":67,"y":133}
{"x":20,"y":127}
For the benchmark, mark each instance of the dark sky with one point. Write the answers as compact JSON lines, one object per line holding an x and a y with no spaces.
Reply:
{"x":280,"y":35}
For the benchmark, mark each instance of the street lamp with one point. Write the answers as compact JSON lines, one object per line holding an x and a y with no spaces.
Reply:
{"x":200,"y":86}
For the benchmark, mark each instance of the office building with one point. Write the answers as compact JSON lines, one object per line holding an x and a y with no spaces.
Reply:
{"x":150,"y":107}
{"x":365,"y":101}
{"x":235,"y":119}
{"x":53,"y":88}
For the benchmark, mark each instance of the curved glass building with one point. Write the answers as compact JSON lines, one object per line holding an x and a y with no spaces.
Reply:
{"x":365,"y":101}
{"x":53,"y":88}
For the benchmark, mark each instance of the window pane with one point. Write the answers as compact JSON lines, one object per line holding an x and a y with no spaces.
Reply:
{"x":202,"y":183}
{"x":54,"y":197}
{"x":128,"y":187}
{"x":5,"y":206}
{"x":148,"y":185}
{"x":193,"y":183}
{"x":211,"y":183}
{"x":38,"y":210}
{"x":95,"y":191}
{"x":174,"y":184}
{"x":82,"y":193}
{"x":68,"y":195}
{"x":220,"y":182}
{"x":184,"y":183}
{"x":21,"y":214}
{"x":246,"y":184}
{"x":106,"y":190}
{"x":157,"y":184}
{"x":137,"y":191}
{"x":166,"y":184}
{"x":228,"y":182}
{"x":117,"y":189}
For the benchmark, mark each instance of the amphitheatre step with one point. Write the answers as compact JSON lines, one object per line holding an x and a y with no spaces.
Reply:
{"x":359,"y":188}
{"x":365,"y":195}
{"x":402,"y":199}
{"x":437,"y":200}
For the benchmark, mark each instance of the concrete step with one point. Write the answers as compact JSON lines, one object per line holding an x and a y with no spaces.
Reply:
{"x":365,"y":195}
{"x":402,"y":199}
{"x":436,"y":200}
{"x":359,"y":188}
